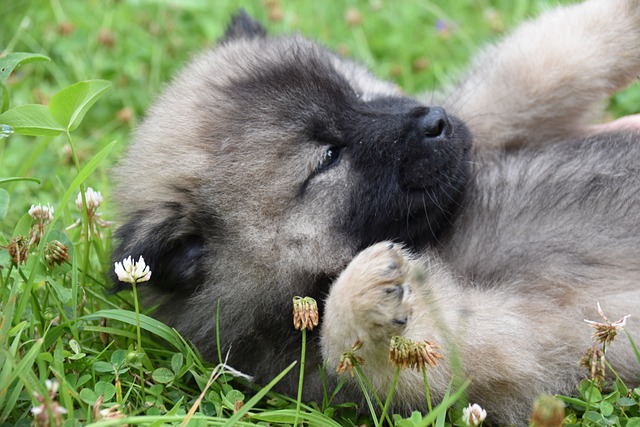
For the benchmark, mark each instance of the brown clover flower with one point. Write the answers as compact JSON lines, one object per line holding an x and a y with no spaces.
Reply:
{"x":548,"y":411}
{"x":353,"y":17}
{"x":349,"y":360}
{"x":56,"y":252}
{"x":593,"y":360}
{"x":305,"y":313}
{"x":606,"y":332}
{"x":18,"y":249}
{"x":405,"y":352}
{"x":110,"y":414}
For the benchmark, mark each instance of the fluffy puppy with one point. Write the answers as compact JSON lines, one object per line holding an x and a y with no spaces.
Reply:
{"x":269,"y":163}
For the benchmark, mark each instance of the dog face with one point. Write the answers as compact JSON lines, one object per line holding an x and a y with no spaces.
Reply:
{"x":269,"y":162}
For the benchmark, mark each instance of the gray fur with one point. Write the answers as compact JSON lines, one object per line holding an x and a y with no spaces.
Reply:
{"x":223,"y":194}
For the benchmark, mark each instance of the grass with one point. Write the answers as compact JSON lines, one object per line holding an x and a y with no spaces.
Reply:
{"x":61,"y":322}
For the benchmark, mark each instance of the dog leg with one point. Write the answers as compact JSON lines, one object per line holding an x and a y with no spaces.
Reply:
{"x":549,"y":77}
{"x":623,"y":124}
{"x":512,"y":344}
{"x":373,"y":290}
{"x":369,"y":303}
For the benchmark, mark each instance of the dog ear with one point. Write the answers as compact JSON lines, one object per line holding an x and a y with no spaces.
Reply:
{"x":174,"y":256}
{"x":243,"y":26}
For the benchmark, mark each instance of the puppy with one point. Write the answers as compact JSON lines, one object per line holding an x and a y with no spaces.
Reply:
{"x":270,"y":166}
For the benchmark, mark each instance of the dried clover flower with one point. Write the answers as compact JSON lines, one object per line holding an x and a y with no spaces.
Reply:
{"x":56,"y":252}
{"x":473,"y":415}
{"x":18,"y":249}
{"x":349,"y":360}
{"x":305,"y":313}
{"x":111,"y":413}
{"x":593,"y":360}
{"x":405,"y":352}
{"x":132,"y":272}
{"x":605,"y":333}
{"x":548,"y":411}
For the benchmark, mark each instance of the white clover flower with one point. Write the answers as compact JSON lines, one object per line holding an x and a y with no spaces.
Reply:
{"x":52,"y":386}
{"x":41,"y":214}
{"x":94,"y":199}
{"x":473,"y":415}
{"x":37,"y":410}
{"x":132,"y":272}
{"x":55,"y":407}
{"x":40,"y":412}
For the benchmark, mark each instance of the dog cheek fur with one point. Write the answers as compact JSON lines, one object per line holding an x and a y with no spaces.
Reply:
{"x":249,"y":265}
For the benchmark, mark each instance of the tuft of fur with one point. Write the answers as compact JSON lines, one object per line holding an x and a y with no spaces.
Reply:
{"x":270,"y":167}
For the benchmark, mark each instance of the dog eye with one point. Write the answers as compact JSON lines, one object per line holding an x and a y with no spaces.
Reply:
{"x":330,"y":158}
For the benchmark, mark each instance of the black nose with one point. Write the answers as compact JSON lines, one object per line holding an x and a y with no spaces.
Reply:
{"x":435,"y":123}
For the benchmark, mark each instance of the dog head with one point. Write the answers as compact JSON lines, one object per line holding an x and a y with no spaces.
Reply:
{"x":275,"y":158}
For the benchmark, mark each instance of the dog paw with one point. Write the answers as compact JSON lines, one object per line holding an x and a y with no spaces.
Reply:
{"x":376,"y":286}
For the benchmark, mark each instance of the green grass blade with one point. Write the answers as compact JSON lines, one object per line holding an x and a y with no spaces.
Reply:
{"x":443,"y":406}
{"x":10,"y":404}
{"x":19,"y":178}
{"x":365,"y":391}
{"x":633,"y":345}
{"x":147,"y":323}
{"x":573,"y":401}
{"x":4,"y":98}
{"x":4,"y":202}
{"x":23,"y":364}
{"x":7,"y":315}
{"x":84,"y":173}
{"x":287,"y":416}
{"x":443,"y":415}
{"x":6,"y":370}
{"x":259,"y":395}
{"x":146,"y":420}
